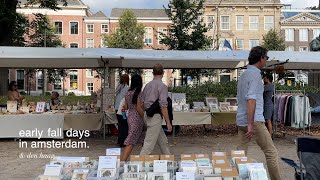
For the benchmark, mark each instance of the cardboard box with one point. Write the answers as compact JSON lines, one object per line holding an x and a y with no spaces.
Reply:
{"x":219,"y":155}
{"x":136,"y":158}
{"x":238,"y":153}
{"x":167,"y":157}
{"x":200,"y":156}
{"x":229,"y":173}
{"x":221,"y":163}
{"x":187,"y":157}
{"x":243,"y":160}
{"x":151,"y":157}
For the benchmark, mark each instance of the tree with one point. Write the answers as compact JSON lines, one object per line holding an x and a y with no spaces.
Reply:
{"x":129,"y":35}
{"x":13,"y":24}
{"x":42,"y":33}
{"x":9,"y":18}
{"x":273,"y":41}
{"x":187,"y":31}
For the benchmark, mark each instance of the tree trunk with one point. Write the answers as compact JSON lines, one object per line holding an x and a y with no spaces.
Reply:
{"x":7,"y":24}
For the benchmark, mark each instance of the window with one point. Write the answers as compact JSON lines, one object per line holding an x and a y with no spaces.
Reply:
{"x":89,"y":88}
{"x":161,"y":30}
{"x":57,"y":84}
{"x":74,"y":45}
{"x":290,"y":48}
{"x":89,"y":43}
{"x":89,"y":72}
{"x":268,"y":22}
{"x":240,"y":22}
{"x":303,"y":49}
{"x":210,"y":22}
{"x":254,"y":22}
{"x":90,"y":28}
{"x":253,"y":43}
{"x":20,"y":79}
{"x":73,"y":79}
{"x":40,"y":81}
{"x":316,"y":33}
{"x":225,"y":22}
{"x":74,"y":27}
{"x":148,"y":35}
{"x":303,"y":34}
{"x":289,"y":34}
{"x":240,"y":44}
{"x":58,"y":27}
{"x":104,"y":28}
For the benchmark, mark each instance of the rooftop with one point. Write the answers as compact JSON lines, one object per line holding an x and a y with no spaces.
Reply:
{"x":140,"y":13}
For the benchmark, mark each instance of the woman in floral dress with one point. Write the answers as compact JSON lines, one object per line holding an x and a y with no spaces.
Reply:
{"x":135,"y":118}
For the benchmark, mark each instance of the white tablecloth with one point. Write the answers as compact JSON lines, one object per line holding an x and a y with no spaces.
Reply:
{"x":11,"y":125}
{"x":180,"y":118}
{"x":191,"y":118}
{"x":111,"y":118}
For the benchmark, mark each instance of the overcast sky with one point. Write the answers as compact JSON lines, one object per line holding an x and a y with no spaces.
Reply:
{"x":107,"y":5}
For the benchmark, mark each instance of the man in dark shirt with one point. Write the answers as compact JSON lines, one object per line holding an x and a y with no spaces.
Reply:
{"x":153,"y":91}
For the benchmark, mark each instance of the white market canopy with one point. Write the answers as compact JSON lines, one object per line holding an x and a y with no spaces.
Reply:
{"x":37,"y":57}
{"x":31,"y":57}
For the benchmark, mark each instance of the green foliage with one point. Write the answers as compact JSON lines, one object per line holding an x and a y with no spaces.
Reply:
{"x":23,"y":93}
{"x":21,"y":28}
{"x":71,"y":94}
{"x":224,"y":90}
{"x":48,"y":93}
{"x":71,"y":100}
{"x":273,"y":41}
{"x":12,"y":24}
{"x":187,"y":31}
{"x":130,"y":35}
{"x":42,"y":33}
{"x":200,"y":92}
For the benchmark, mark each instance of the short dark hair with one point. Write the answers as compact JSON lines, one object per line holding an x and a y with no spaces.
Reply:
{"x":256,"y":54}
{"x":12,"y":83}
{"x":268,"y":76}
{"x":157,"y":69}
{"x":124,"y":79}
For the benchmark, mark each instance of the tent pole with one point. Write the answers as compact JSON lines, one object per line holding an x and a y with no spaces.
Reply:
{"x":105,"y":80}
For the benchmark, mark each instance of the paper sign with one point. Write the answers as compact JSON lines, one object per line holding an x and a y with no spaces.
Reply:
{"x":188,"y":164}
{"x":219,"y":153}
{"x":185,"y":176}
{"x":40,"y":106}
{"x":107,"y":162}
{"x":221,"y":161}
{"x":238,"y":152}
{"x":70,"y":159}
{"x":12,"y":106}
{"x":160,"y":166}
{"x":52,"y":170}
{"x":113,"y":152}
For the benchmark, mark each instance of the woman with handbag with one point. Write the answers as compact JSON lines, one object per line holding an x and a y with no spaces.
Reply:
{"x":135,"y":117}
{"x":121,"y":91}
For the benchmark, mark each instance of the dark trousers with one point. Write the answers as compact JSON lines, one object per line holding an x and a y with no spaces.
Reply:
{"x":123,"y":129}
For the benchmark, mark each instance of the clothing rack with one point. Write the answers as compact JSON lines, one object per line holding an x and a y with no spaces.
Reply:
{"x":292,"y":92}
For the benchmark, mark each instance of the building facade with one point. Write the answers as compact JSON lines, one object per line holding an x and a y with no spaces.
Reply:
{"x":73,"y":24}
{"x":299,"y":27}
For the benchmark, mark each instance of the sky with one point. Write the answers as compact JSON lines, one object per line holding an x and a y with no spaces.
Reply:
{"x":107,"y":5}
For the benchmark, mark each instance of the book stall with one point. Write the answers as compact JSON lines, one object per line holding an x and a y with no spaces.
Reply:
{"x":154,"y":167}
{"x":41,"y":116}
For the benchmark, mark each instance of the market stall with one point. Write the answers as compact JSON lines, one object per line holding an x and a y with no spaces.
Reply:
{"x":30,"y":57}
